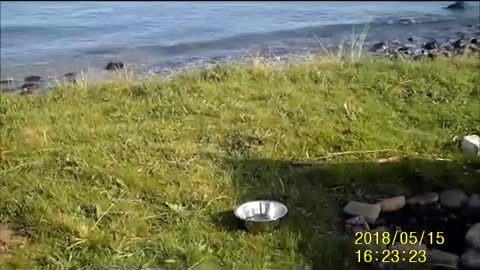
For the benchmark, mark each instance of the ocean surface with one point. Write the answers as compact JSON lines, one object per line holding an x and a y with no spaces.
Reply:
{"x":53,"y":38}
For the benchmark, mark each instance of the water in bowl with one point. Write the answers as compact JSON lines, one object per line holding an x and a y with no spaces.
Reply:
{"x":259,"y":217}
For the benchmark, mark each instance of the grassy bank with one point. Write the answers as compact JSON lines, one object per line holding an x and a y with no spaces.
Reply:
{"x":144,"y":173}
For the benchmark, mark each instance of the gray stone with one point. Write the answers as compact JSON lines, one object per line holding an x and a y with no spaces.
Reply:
{"x":453,"y":198}
{"x":473,"y":236}
{"x":447,"y":260}
{"x":115,"y":66}
{"x":471,"y":144}
{"x":369,"y":212}
{"x":379,"y":47}
{"x":29,"y":86}
{"x":431,"y":45}
{"x":33,"y":78}
{"x":356,"y":224}
{"x":457,"y":5}
{"x":472,"y":209}
{"x":7,"y":81}
{"x":470,"y":260}
{"x":393,"y":204}
{"x":423,"y":199}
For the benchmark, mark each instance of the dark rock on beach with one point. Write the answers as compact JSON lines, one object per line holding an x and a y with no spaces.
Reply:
{"x":29,"y":86}
{"x":431,"y":45}
{"x":33,"y":78}
{"x":70,"y":74}
{"x":115,"y":66}
{"x":459,"y":5}
{"x":7,"y":81}
{"x":70,"y":77}
{"x":459,"y":44}
{"x":379,"y":47}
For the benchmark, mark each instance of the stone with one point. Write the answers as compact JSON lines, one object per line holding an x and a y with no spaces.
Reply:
{"x":70,"y":74}
{"x":453,"y":198}
{"x":459,"y":44}
{"x":474,"y":201}
{"x":423,"y":199}
{"x":437,"y":257}
{"x":457,"y":5}
{"x":407,"y":21}
{"x":29,"y":86}
{"x":33,"y":78}
{"x":410,"y":39}
{"x":431,"y":45}
{"x":393,"y":204}
{"x":432,"y":55}
{"x":379,"y":47}
{"x":473,"y":236}
{"x":405,"y":50}
{"x":7,"y":81}
{"x":115,"y":66}
{"x":472,"y":210}
{"x":447,"y":54}
{"x":470,"y":260}
{"x":474,"y":41}
{"x":470,"y":144}
{"x":356,"y":224}
{"x":70,"y":77}
{"x":369,"y":212}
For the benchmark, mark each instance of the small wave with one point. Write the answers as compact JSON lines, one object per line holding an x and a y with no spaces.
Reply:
{"x":282,"y":37}
{"x":42,"y":30}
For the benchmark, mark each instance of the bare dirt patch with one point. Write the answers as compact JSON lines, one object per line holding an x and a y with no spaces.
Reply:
{"x":10,"y":241}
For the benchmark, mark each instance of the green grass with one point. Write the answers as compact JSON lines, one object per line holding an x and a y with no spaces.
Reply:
{"x":145,"y":173}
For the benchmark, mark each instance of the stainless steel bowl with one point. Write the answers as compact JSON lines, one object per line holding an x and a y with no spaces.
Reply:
{"x":262,"y":215}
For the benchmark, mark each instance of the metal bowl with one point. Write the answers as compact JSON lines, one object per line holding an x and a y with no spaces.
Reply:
{"x":262,"y":215}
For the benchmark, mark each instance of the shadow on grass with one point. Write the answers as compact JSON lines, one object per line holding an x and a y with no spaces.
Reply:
{"x":316,"y":193}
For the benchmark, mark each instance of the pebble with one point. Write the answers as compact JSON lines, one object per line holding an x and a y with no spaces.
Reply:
{"x":430,"y":45}
{"x":470,"y":260}
{"x":356,"y":224}
{"x":457,"y":5}
{"x":423,"y":199}
{"x":439,"y":257}
{"x":473,"y":236}
{"x":379,"y":47}
{"x":29,"y":86}
{"x":472,"y":209}
{"x":6,"y":81}
{"x":459,"y":44}
{"x":33,"y":78}
{"x":474,"y":201}
{"x":369,"y":212}
{"x":70,"y":74}
{"x":393,"y":204}
{"x":70,"y":77}
{"x":471,"y":144}
{"x":115,"y":66}
{"x":453,"y":198}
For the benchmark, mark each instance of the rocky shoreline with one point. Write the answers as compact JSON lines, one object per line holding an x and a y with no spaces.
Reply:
{"x":467,"y":40}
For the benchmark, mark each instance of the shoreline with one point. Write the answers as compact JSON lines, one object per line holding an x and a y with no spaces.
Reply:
{"x":412,"y":48}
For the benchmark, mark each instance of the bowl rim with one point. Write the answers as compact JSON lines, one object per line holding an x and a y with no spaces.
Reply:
{"x":235,"y":211}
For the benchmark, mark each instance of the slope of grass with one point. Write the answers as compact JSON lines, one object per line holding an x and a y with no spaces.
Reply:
{"x":142,"y":173}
